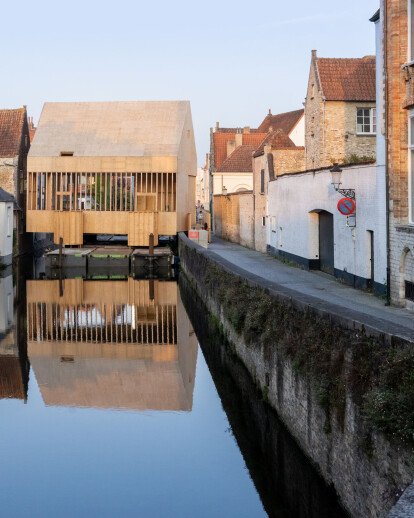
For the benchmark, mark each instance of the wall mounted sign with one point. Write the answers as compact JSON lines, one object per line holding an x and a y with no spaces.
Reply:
{"x":346,"y":206}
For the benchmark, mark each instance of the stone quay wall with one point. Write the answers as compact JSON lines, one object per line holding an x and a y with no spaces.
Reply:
{"x":369,"y":472}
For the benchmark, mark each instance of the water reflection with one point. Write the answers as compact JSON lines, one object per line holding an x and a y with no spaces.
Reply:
{"x":124,"y":344}
{"x":288,"y":485}
{"x":14,"y":367}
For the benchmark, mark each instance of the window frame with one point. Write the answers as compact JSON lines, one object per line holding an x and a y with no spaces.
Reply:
{"x":372,"y":116}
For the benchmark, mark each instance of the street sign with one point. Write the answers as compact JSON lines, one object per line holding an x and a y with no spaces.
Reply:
{"x":346,"y":206}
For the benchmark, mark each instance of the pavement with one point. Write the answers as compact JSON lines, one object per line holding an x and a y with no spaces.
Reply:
{"x":317,"y":288}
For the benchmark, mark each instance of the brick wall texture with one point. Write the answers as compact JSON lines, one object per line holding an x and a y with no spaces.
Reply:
{"x":330,"y":129}
{"x":233,"y":217}
{"x":401,"y":233}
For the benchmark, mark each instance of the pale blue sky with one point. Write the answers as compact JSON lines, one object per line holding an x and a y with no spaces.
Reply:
{"x":232,"y":59}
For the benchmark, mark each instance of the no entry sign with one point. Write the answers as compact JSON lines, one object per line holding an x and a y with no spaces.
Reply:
{"x":346,"y":206}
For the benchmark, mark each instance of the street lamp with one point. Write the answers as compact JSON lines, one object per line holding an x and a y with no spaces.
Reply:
{"x":336,"y":173}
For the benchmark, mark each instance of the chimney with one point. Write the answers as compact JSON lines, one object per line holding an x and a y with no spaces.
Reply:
{"x":270,"y":113}
{"x":246,"y":129}
{"x":314,"y":56}
{"x":231,"y":146}
{"x":217,"y":126}
{"x":239,"y":139}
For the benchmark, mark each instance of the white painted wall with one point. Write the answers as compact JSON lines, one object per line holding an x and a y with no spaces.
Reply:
{"x":6,"y":229}
{"x":6,"y":303}
{"x":292,"y":198}
{"x":232,"y":182}
{"x":297,"y":135}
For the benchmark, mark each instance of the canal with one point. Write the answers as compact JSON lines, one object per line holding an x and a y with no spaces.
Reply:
{"x":118,"y":398}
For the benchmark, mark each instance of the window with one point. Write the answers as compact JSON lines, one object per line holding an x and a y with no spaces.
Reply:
{"x":9,"y":221}
{"x":273,"y":224}
{"x":366,"y":121}
{"x":411,"y":166}
{"x":264,"y":221}
{"x":66,"y":153}
{"x":262,"y":181}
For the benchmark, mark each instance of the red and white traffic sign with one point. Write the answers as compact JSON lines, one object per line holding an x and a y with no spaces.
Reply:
{"x":346,"y":206}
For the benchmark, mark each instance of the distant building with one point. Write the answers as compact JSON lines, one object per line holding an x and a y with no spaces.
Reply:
{"x":235,"y":173}
{"x":32,"y":128}
{"x":291,"y":123}
{"x":122,"y":168}
{"x":340,"y":111}
{"x":14,"y":146}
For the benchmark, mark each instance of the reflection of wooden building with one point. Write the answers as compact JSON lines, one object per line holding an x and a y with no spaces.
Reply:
{"x":111,"y":344}
{"x":112,"y":168}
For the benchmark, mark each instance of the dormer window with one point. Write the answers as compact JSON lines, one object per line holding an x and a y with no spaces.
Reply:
{"x":366,"y":121}
{"x":66,"y":153}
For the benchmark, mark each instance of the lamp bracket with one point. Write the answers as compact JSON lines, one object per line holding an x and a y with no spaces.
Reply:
{"x":348,"y":193}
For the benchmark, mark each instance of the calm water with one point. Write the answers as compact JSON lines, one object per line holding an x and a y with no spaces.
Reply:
{"x":108,"y":408}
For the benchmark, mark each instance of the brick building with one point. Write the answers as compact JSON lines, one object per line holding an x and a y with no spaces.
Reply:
{"x":397,"y":38}
{"x":14,"y":146}
{"x":340,"y":113}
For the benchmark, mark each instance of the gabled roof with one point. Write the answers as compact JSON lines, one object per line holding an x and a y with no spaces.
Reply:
{"x":136,"y":128}
{"x":5,"y":196}
{"x":285,"y":121}
{"x":347,"y":79}
{"x":277,"y":140}
{"x":240,"y":161}
{"x":220,"y":144}
{"x":11,"y":128}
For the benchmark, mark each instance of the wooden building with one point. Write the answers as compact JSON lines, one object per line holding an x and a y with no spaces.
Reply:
{"x":124,"y":344}
{"x":122,"y":168}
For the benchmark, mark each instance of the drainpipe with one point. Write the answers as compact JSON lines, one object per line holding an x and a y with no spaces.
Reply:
{"x":323,"y":130}
{"x":387,"y":178}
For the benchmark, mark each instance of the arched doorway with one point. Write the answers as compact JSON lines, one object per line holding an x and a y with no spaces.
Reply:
{"x":326,"y":242}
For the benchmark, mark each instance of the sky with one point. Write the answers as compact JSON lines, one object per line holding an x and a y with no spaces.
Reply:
{"x":232,"y":59}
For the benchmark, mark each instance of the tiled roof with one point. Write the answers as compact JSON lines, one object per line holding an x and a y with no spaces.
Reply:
{"x":233,"y":130}
{"x":277,"y":139}
{"x":220,"y":144}
{"x":5,"y":196}
{"x":347,"y":79}
{"x":11,"y":127}
{"x":240,"y":161}
{"x":285,"y":121}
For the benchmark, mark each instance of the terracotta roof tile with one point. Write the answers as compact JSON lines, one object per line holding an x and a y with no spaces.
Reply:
{"x":285,"y":121}
{"x":240,"y":161}
{"x":349,"y":79}
{"x":11,"y":128}
{"x":277,"y":139}
{"x":220,"y":144}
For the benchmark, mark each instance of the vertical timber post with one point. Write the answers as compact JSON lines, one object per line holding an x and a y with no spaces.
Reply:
{"x":60,"y":251}
{"x":151,"y":245}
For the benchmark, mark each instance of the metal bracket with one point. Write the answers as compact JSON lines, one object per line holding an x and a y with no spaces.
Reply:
{"x":348,"y":193}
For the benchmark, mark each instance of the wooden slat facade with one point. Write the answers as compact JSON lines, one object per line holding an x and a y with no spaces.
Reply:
{"x":73,"y":204}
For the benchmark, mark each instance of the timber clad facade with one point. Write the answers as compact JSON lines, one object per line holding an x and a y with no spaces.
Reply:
{"x":112,"y":168}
